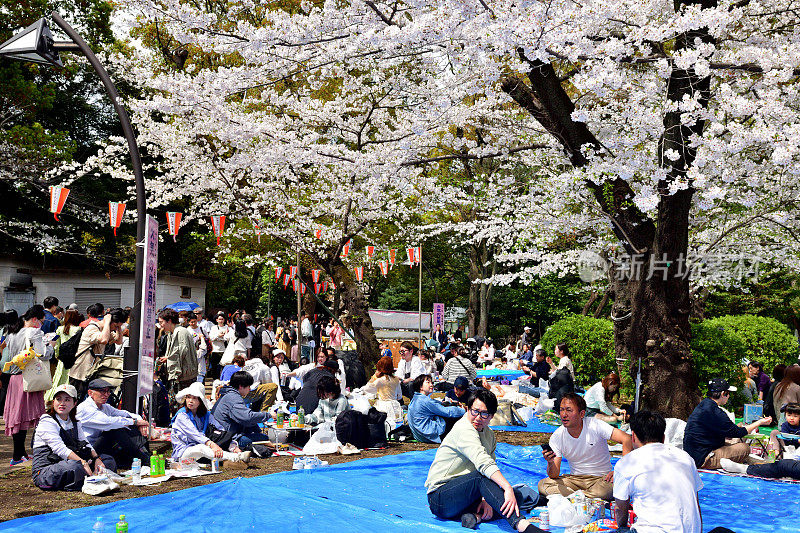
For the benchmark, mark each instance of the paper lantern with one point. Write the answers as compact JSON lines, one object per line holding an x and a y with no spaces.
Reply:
{"x":286,"y":279}
{"x":359,"y":273}
{"x":58,"y":197}
{"x":370,"y":251}
{"x":315,"y":275}
{"x":346,"y":249}
{"x":384,"y":266}
{"x":293,"y":271}
{"x":218,"y":225}
{"x":173,"y":223}
{"x":278,"y":272}
{"x":115,"y":212}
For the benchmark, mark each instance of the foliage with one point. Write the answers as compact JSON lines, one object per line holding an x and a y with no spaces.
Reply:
{"x":717,"y":351}
{"x":591,"y":346}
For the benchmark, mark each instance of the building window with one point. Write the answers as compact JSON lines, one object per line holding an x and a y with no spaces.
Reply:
{"x":186,"y":292}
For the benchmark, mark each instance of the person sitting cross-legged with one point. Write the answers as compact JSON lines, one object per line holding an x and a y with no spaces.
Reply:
{"x":661,"y":481}
{"x":582,"y":442}
{"x":235,"y":416}
{"x":708,"y":426}
{"x":428,"y":419}
{"x":464,"y":480}
{"x":115,"y":432}
{"x":62,"y":458}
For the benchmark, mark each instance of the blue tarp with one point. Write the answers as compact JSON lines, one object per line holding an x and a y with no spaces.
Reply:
{"x":377,"y":495}
{"x":534,"y":426}
{"x":497,"y":373}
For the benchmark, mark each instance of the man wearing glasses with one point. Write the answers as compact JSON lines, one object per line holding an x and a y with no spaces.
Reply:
{"x":120,"y":434}
{"x":202,"y":323}
{"x":708,"y":427}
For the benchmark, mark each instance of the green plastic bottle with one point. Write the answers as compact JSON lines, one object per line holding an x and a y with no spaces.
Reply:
{"x":162,"y":465}
{"x":122,"y":525}
{"x":301,"y":418}
{"x":154,"y":465}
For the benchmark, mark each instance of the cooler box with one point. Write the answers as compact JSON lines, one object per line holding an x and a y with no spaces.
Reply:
{"x":753,"y":412}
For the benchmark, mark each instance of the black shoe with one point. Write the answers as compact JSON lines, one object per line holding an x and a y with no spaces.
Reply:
{"x":469,"y":521}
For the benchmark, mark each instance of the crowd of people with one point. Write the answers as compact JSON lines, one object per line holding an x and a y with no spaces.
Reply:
{"x":250,"y":367}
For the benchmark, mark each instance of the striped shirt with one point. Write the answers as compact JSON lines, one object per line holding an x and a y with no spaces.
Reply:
{"x":454,"y":368}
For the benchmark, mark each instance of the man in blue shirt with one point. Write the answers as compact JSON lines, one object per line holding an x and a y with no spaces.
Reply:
{"x":526,"y":358}
{"x":429,"y":420}
{"x":50,"y":322}
{"x":708,"y":427}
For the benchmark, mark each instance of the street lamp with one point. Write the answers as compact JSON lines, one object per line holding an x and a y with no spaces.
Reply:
{"x":35,"y":43}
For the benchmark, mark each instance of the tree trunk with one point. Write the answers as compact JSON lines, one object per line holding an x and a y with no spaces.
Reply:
{"x":589,"y":303}
{"x":652,"y":305}
{"x":355,"y":304}
{"x":485,"y":292}
{"x":474,"y":311}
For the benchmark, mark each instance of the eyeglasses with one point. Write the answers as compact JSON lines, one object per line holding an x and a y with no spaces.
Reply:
{"x":402,"y":350}
{"x":102,"y":392}
{"x":485,"y":415}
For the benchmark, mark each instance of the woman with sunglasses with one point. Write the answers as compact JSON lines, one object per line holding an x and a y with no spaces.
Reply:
{"x":464,"y":480}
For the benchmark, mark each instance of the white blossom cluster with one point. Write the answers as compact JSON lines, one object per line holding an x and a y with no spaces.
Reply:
{"x":322,"y":114}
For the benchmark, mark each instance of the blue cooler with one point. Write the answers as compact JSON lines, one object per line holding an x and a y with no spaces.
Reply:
{"x":753,"y":412}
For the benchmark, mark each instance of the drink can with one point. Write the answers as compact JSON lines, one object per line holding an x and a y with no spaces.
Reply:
{"x":772,"y":455}
{"x":544,"y":521}
{"x":631,"y":517}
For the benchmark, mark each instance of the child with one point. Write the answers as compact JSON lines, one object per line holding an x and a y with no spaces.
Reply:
{"x":792,"y":424}
{"x":332,"y":402}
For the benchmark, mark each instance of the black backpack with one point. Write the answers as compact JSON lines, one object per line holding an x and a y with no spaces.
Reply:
{"x":67,"y":351}
{"x":353,"y":427}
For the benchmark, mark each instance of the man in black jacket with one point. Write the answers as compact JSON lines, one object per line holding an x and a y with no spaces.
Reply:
{"x":708,"y":427}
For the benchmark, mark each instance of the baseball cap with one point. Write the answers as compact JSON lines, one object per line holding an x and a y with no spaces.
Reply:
{"x":461,"y":383}
{"x":719,"y":385}
{"x":69,"y":389}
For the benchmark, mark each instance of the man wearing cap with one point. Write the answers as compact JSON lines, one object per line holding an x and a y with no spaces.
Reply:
{"x":460,"y":390}
{"x":525,"y":337}
{"x":708,"y":427}
{"x":115,"y":432}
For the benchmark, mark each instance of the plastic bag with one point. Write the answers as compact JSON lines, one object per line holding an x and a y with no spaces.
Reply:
{"x":322,"y":441}
{"x":564,"y":513}
{"x":360,"y":404}
{"x":526,"y":413}
{"x":97,"y":485}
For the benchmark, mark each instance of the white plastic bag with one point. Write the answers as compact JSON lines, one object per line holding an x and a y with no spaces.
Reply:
{"x":322,"y":441}
{"x":564,"y":513}
{"x":526,"y":413}
{"x":360,"y":404}
{"x":97,"y":485}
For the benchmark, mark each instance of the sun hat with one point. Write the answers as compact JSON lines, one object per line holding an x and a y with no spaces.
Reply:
{"x":195,"y":389}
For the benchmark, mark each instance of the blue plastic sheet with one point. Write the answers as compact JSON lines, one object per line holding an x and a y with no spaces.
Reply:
{"x":499,"y":373}
{"x":377,"y":495}
{"x":534,"y":426}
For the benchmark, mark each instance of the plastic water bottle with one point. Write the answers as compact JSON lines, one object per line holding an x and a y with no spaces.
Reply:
{"x":544,"y":520}
{"x":122,"y":525}
{"x":136,"y":469}
{"x":99,"y":526}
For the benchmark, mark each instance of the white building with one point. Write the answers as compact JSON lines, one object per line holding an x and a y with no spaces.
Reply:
{"x":23,"y":284}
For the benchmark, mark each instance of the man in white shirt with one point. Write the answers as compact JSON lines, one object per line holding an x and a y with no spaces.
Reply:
{"x":266,"y":385}
{"x":660,"y":480}
{"x":408,"y":368}
{"x":120,"y":434}
{"x":204,"y":324}
{"x":582,"y":442}
{"x":307,"y":332}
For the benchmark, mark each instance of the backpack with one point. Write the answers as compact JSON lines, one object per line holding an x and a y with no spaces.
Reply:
{"x":285,"y":337}
{"x":67,"y":352}
{"x":352,"y":428}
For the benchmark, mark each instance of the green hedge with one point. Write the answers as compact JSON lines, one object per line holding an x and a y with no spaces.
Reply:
{"x":721,"y":345}
{"x":591,"y":345}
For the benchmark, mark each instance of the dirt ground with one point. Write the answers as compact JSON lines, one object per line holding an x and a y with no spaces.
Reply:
{"x":21,"y":498}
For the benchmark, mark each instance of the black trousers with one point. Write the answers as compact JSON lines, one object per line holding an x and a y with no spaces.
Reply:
{"x":124,"y":445}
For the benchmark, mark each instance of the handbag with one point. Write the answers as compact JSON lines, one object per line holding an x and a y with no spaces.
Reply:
{"x":36,"y":374}
{"x":220,"y":437}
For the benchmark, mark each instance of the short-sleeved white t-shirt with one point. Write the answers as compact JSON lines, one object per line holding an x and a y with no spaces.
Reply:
{"x":588,"y":454}
{"x":662,"y":483}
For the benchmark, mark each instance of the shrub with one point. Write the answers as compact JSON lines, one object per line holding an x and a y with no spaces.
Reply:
{"x":591,"y":345}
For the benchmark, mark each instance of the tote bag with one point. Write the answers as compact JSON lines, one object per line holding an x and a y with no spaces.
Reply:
{"x":36,"y":374}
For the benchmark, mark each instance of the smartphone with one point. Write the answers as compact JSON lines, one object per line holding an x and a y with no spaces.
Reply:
{"x":546,"y":448}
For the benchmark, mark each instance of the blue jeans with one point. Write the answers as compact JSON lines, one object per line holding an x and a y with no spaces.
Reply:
{"x":782,"y":468}
{"x":246,"y":440}
{"x":463,"y":494}
{"x":533,"y":391}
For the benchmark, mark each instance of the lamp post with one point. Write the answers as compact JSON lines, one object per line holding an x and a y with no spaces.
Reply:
{"x":35,"y":43}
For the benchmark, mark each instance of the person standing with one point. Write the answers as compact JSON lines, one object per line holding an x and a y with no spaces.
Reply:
{"x":307,"y":336}
{"x":93,"y":314}
{"x":217,"y":336}
{"x":94,"y":338}
{"x":268,"y":339}
{"x":761,"y":379}
{"x":200,"y":345}
{"x":22,"y":409}
{"x":204,"y":324}
{"x":180,"y":355}
{"x":63,"y":333}
{"x":440,"y":337}
{"x":661,"y":481}
{"x":50,"y":322}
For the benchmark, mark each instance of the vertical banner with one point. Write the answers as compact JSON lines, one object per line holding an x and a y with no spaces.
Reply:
{"x":257,"y":229}
{"x":392,"y":256}
{"x":438,"y":315}
{"x":370,"y":251}
{"x":292,"y":271}
{"x":115,"y":212}
{"x":315,"y":275}
{"x":302,"y":288}
{"x":286,"y":279}
{"x":318,"y":233}
{"x":278,"y":272}
{"x":58,"y":197}
{"x":147,"y":325}
{"x":324,"y":286}
{"x":346,"y":249}
{"x":384,"y":265}
{"x":317,"y":287}
{"x":296,"y":285}
{"x":218,"y":225}
{"x":359,"y":273}
{"x":173,"y":224}
{"x":411,"y":256}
